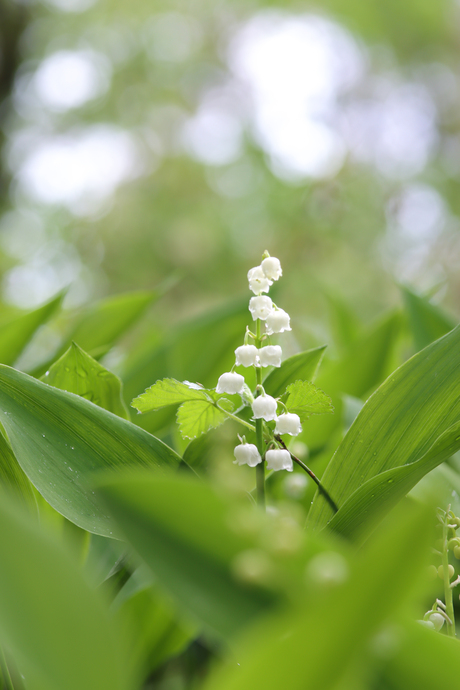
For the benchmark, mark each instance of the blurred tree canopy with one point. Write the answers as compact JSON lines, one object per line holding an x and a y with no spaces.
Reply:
{"x":142,"y":142}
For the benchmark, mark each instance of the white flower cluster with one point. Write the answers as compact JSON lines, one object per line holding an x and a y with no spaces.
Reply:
{"x":264,"y":406}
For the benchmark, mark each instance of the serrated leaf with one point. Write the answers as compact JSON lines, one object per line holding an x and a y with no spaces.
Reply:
{"x":195,"y":417}
{"x":305,"y":399}
{"x":77,"y":372}
{"x":167,"y":392}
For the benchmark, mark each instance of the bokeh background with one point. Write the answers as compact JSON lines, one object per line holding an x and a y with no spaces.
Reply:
{"x":168,"y":144}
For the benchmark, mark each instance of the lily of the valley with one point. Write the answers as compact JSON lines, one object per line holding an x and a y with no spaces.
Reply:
{"x":247,"y":355}
{"x":279,"y":459}
{"x":270,"y":356}
{"x":260,"y":307}
{"x":277,"y":321}
{"x":288,"y":423}
{"x":264,"y":407}
{"x":258,"y":281}
{"x":247,"y":454}
{"x":230,"y":383}
{"x":271,"y":268}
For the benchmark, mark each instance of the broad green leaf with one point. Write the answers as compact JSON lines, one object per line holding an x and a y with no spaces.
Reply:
{"x":422,"y":659}
{"x":195,"y":417}
{"x":97,"y":328}
{"x":167,"y":392}
{"x":155,"y":629}
{"x":61,"y":439}
{"x":16,"y":331}
{"x":12,"y":477}
{"x":77,"y":372}
{"x":398,"y":424}
{"x":102,"y":324}
{"x":364,"y":366}
{"x":427,"y":322}
{"x":313,"y":645}
{"x":345,"y":325}
{"x":304,"y":399}
{"x":378,"y":495}
{"x":57,"y":629}
{"x":182,"y":530}
{"x":300,"y":366}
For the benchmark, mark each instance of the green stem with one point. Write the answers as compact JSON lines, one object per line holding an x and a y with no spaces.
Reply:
{"x":447,"y":588}
{"x":260,"y":468}
{"x":236,"y":419}
{"x":310,"y":472}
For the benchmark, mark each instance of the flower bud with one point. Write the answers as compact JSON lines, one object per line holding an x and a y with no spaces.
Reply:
{"x":277,"y":321}
{"x":272,"y":268}
{"x":258,"y":281}
{"x":260,"y":307}
{"x":288,"y":424}
{"x":451,"y":572}
{"x":230,"y":383}
{"x":279,"y":459}
{"x":247,"y":355}
{"x":270,"y":356}
{"x":247,"y":454}
{"x":457,"y":551}
{"x":426,"y":624}
{"x":264,"y":407}
{"x":437,"y":619}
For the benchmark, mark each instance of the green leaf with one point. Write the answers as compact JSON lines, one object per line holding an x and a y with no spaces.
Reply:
{"x":182,"y":530}
{"x":300,"y":366}
{"x":16,"y":332}
{"x":315,"y":644}
{"x":61,"y":439}
{"x":398,"y":424}
{"x":12,"y":477}
{"x":98,"y":327}
{"x":379,"y":495}
{"x":365,"y":365}
{"x":427,"y":322}
{"x":304,"y":399}
{"x":198,"y":416}
{"x":155,"y":629}
{"x":167,"y":392}
{"x":57,"y":629}
{"x":199,"y":350}
{"x":77,"y":372}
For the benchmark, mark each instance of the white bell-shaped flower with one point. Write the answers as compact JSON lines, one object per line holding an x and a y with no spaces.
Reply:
{"x":277,"y":321}
{"x":260,"y":307}
{"x":247,"y":454}
{"x":270,"y":356}
{"x":258,"y":281}
{"x":247,"y":355}
{"x":271,"y":268}
{"x":279,"y":459}
{"x":288,"y":423}
{"x":264,"y":407}
{"x":437,"y":619}
{"x":230,"y":383}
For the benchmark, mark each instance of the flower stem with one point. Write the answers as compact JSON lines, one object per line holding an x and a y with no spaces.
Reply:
{"x":450,"y":627}
{"x":321,"y":488}
{"x":260,"y":468}
{"x":235,"y":418}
